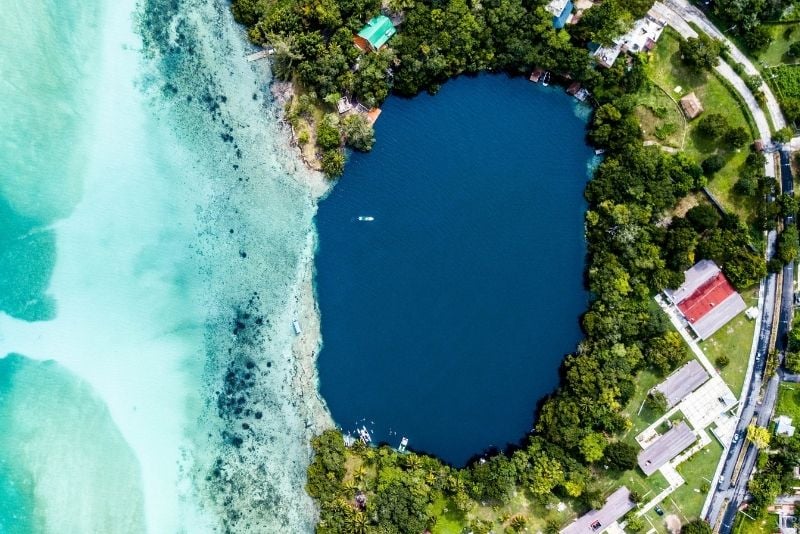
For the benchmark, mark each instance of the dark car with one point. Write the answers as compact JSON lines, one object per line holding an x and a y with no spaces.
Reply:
{"x":658,"y":510}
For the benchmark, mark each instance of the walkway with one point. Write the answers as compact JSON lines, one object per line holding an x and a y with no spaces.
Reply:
{"x":679,"y":14}
{"x":694,"y":15}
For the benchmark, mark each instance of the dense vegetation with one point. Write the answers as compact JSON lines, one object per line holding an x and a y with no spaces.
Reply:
{"x":747,"y":17}
{"x":785,"y":79}
{"x":774,"y":474}
{"x":636,"y":246}
{"x":313,"y":45}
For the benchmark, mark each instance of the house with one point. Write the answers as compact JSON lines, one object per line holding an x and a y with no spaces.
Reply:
{"x":691,"y":105}
{"x":642,"y":37}
{"x":561,"y":10}
{"x":666,"y":447}
{"x":783,"y":426}
{"x":682,"y":382}
{"x":597,"y":521}
{"x":375,"y":34}
{"x":706,"y":299}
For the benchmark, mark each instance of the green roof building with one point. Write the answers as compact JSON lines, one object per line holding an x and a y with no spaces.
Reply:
{"x":375,"y":34}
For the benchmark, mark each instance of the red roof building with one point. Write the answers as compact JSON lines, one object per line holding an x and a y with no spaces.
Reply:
{"x":706,"y":299}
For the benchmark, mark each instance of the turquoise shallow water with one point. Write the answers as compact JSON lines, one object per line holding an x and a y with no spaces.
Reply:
{"x":446,"y":318}
{"x":153,"y":235}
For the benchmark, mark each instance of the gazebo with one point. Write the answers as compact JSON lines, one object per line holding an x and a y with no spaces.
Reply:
{"x":691,"y":105}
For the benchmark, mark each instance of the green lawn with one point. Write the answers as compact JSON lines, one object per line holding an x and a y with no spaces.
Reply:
{"x":783,"y":35}
{"x":788,"y":401}
{"x":660,"y":118}
{"x":784,"y":80}
{"x":745,"y":525}
{"x":667,"y":70}
{"x":734,"y":340}
{"x":447,"y":522}
{"x":697,"y":471}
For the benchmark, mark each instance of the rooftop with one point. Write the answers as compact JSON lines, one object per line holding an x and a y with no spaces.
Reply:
{"x":706,"y":299}
{"x":378,"y":31}
{"x":691,"y":105}
{"x":682,"y":382}
{"x":595,"y":522}
{"x":665,"y":448}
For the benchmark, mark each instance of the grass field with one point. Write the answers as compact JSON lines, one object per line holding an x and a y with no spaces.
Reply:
{"x":667,"y":70}
{"x":745,"y":525}
{"x":788,"y":401}
{"x":783,"y":35}
{"x":734,"y":340}
{"x":660,"y":118}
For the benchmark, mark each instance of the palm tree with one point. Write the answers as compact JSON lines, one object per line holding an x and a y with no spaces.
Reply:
{"x":360,"y":473}
{"x":357,"y":523}
{"x":413,"y":461}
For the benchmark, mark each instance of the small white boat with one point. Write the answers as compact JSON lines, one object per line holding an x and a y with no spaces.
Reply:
{"x":296,"y":326}
{"x":546,"y":79}
{"x":367,"y":218}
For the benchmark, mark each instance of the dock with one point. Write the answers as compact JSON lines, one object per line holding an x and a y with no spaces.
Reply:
{"x":261,"y":54}
{"x":363,"y":433}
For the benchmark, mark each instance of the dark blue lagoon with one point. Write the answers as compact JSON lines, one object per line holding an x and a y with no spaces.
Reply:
{"x":445,"y":318}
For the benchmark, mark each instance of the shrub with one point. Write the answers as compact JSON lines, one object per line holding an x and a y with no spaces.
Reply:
{"x":794,"y":49}
{"x":328,"y":133}
{"x":358,"y":132}
{"x":620,"y":456}
{"x":712,"y":164}
{"x":745,"y":186}
{"x":784,"y":135}
{"x":722,"y":361}
{"x":333,"y":163}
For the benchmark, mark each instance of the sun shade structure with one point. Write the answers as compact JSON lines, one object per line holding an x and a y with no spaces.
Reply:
{"x":375,"y":34}
{"x":665,"y":448}
{"x":682,"y":382}
{"x":691,"y":105}
{"x":706,"y":299}
{"x":595,"y":522}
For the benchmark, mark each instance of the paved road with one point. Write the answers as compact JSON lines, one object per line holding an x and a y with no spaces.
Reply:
{"x":764,"y":408}
{"x":724,"y":492}
{"x":694,"y":15}
{"x":678,"y":15}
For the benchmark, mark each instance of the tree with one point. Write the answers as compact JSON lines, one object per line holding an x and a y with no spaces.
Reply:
{"x":703,"y":217}
{"x":792,"y":362}
{"x":722,"y":361}
{"x":328,"y":136}
{"x":621,"y":456}
{"x":333,"y":163}
{"x":784,"y":135}
{"x":788,"y":244}
{"x":358,"y":132}
{"x":401,"y":508}
{"x":794,"y":49}
{"x":713,"y":126}
{"x":656,"y":401}
{"x":745,"y":186}
{"x":696,"y":526}
{"x":737,"y":137}
{"x":701,"y":52}
{"x":758,"y":435}
{"x":666,"y":352}
{"x":592,"y":446}
{"x":712,"y":164}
